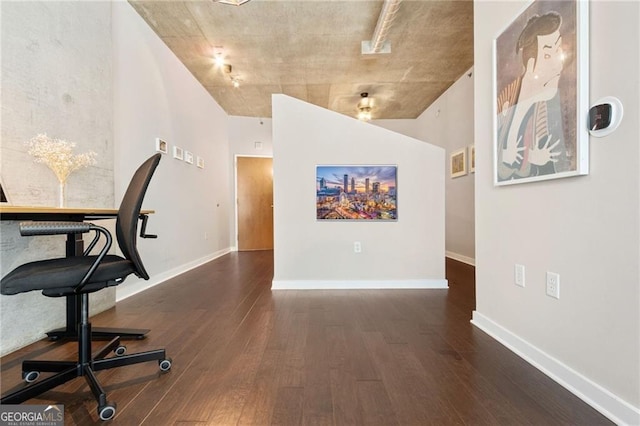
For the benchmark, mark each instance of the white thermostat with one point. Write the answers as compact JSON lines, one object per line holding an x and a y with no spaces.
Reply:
{"x":605,"y":116}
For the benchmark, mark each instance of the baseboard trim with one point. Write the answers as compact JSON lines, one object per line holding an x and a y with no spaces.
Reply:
{"x":129,"y":289}
{"x":608,"y":404}
{"x":358,"y":284}
{"x":460,"y":258}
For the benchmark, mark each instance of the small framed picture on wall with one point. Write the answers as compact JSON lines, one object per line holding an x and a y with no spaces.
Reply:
{"x":161,"y":145}
{"x":458,"y":163}
{"x":188,"y":157}
{"x":178,"y":154}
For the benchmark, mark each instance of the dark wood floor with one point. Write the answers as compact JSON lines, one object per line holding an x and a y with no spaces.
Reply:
{"x":243,"y":354}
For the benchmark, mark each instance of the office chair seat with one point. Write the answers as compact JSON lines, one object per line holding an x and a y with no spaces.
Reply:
{"x":81,"y":275}
{"x":54,"y":275}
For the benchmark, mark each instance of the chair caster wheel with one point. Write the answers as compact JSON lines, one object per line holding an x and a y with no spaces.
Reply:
{"x":165,"y":364}
{"x":107,"y":412}
{"x":30,"y":376}
{"x":120,"y":350}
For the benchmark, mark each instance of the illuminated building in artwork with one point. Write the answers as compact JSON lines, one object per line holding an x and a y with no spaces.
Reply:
{"x":353,"y":185}
{"x":366,"y":186}
{"x":346,"y":183}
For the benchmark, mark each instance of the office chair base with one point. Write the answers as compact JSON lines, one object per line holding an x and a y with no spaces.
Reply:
{"x":68,"y":370}
{"x":107,"y":412}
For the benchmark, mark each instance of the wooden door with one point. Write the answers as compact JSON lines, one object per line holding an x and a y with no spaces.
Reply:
{"x":255,"y":203}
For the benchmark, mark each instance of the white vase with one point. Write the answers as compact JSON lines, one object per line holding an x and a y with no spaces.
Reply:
{"x":62,"y":194}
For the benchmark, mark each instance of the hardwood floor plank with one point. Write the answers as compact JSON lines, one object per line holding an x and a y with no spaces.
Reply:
{"x":318,"y":407}
{"x":407,"y":385}
{"x":376,"y":408}
{"x":289,"y":406}
{"x":358,"y":360}
{"x":347,"y":409}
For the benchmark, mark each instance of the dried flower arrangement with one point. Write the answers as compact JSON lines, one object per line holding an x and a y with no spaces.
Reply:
{"x":58,"y":155}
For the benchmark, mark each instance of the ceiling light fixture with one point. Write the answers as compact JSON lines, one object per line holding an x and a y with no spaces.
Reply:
{"x":232,"y":2}
{"x":364,"y":107}
{"x":218,"y":55}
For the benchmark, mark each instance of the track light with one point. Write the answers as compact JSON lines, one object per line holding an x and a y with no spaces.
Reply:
{"x":364,"y":107}
{"x":218,"y":56}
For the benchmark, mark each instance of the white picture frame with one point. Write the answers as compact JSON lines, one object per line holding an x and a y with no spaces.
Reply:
{"x":200,"y":162}
{"x":162,"y":146}
{"x":458,"y":163}
{"x":188,"y":157}
{"x":178,"y":153}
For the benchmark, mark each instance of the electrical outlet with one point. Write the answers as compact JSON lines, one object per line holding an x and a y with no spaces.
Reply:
{"x":357,"y":247}
{"x":553,"y":285}
{"x":519,"y":275}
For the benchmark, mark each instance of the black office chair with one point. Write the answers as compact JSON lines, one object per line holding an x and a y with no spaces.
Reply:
{"x":82,"y":275}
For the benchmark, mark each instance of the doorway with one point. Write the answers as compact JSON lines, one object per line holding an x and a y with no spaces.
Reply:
{"x":254,"y":203}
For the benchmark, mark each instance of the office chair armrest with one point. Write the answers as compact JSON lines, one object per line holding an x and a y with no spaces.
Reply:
{"x":107,"y":245}
{"x":143,"y":228}
{"x":34,"y":228}
{"x":29,"y":229}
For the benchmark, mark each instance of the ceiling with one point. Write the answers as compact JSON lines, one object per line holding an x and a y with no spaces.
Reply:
{"x":311,"y":50}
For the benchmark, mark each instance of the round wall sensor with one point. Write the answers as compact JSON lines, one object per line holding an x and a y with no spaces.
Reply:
{"x":605,"y":116}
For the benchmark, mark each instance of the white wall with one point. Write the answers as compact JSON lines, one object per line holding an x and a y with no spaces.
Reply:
{"x":56,"y":79}
{"x":155,"y":96}
{"x":448,"y":122}
{"x":404,"y":126}
{"x":311,"y":254}
{"x":584,"y":228}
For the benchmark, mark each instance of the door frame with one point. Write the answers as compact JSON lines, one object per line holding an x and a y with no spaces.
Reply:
{"x":235,"y":190}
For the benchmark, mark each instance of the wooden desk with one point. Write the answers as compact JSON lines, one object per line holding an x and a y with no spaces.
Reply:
{"x":74,"y":247}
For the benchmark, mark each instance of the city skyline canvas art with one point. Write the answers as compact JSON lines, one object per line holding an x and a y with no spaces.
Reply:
{"x":356,"y":192}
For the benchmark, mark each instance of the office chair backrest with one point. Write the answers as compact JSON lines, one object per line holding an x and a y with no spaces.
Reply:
{"x":129,"y":212}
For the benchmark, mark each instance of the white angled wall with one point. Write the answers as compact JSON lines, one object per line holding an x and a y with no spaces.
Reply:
{"x":319,"y":254}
